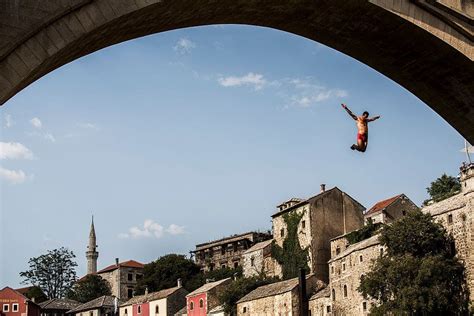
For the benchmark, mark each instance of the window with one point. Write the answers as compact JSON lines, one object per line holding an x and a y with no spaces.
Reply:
{"x":15,"y":307}
{"x":343,"y":266}
{"x":130,"y":293}
{"x":236,"y":247}
{"x":404,"y":213}
{"x":236,"y":265}
{"x":332,"y":269}
{"x":328,"y":308}
{"x":91,"y":313}
{"x":139,"y":310}
{"x":381,"y":252}
{"x":345,"y":290}
{"x":126,"y":312}
{"x":244,"y":310}
{"x":130,"y":276}
{"x":333,"y":295}
{"x":303,"y":224}
{"x":364,"y":306}
{"x":201,"y":303}
{"x":157,"y":309}
{"x":282,"y":232}
{"x":223,"y":250}
{"x":6,"y":308}
{"x":360,"y":258}
{"x":338,"y":250}
{"x":191,"y":306}
{"x":450,"y":218}
{"x":252,"y":261}
{"x":223,"y":266}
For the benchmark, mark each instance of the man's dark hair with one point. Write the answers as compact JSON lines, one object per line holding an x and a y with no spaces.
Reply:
{"x":365,"y":113}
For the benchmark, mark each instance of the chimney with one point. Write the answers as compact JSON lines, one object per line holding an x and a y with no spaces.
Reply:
{"x":179,"y":283}
{"x":304,"y":304}
{"x":33,"y":299}
{"x":117,"y":262}
{"x":146,"y":290}
{"x":323,"y":187}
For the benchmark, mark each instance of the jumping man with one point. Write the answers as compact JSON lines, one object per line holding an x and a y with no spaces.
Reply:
{"x":363,"y":129}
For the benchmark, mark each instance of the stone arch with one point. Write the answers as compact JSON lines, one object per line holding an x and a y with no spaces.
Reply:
{"x":424,"y":45}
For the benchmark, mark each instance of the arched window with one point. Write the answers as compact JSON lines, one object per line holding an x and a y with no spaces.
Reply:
{"x":139,"y":309}
{"x":157,"y":309}
{"x":201,"y":303}
{"x":191,"y":306}
{"x":345,"y":290}
{"x":126,"y":312}
{"x":333,"y":295}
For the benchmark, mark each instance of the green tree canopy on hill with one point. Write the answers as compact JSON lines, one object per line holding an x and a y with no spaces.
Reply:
{"x":37,"y":294}
{"x":419,"y":274}
{"x":90,"y":287}
{"x":443,"y":188}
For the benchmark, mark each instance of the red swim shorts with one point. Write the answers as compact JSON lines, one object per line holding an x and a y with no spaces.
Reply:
{"x":363,"y":137}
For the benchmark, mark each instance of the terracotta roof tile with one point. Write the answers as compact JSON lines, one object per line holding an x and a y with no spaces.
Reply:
{"x":379,"y":206}
{"x":127,"y":264}
{"x":151,"y":296}
{"x":103,"y":301}
{"x":59,"y":304}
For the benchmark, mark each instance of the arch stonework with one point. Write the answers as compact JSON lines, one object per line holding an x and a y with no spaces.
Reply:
{"x":424,"y":45}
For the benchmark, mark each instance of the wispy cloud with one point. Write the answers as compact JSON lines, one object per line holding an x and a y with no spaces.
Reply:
{"x":12,"y":150}
{"x":184,"y":46}
{"x":36,"y":122}
{"x":88,"y":125}
{"x":151,"y":229}
{"x":470,"y":149}
{"x":9,"y":121}
{"x":306,"y":92}
{"x":13,"y":176}
{"x":257,"y":81}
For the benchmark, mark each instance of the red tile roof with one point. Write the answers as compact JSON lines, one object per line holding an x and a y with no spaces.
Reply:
{"x":379,"y":206}
{"x":126,"y":264}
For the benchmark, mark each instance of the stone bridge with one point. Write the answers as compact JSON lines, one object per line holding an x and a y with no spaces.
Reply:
{"x":426,"y":46}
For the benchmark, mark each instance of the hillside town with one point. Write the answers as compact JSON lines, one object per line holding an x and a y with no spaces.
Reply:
{"x":335,"y":262}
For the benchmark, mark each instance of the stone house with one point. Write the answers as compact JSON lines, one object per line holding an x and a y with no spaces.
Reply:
{"x":226,"y":252}
{"x":280,"y":298}
{"x":388,"y":210}
{"x":101,"y":306}
{"x":14,"y":303}
{"x":57,"y":306}
{"x":122,"y":277}
{"x":258,"y":260}
{"x":320,"y":303}
{"x":217,"y":311}
{"x":326,"y":215}
{"x":346,"y":268}
{"x":456,"y":215}
{"x":161,"y":303}
{"x":204,"y":299}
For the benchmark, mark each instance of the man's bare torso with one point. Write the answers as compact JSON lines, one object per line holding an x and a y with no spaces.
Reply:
{"x":362,"y":125}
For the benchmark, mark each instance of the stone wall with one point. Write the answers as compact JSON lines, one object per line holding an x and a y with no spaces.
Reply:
{"x":258,"y":262}
{"x":345,"y":272}
{"x":283,"y":304}
{"x":119,"y":283}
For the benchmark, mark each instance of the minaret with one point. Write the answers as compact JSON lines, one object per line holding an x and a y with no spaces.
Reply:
{"x":91,"y":253}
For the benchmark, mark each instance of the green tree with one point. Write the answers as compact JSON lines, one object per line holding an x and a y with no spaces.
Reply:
{"x":163,"y":273}
{"x":291,"y":256}
{"x":419,"y":274}
{"x":238,"y":289}
{"x":367,"y":231}
{"x":90,"y":287}
{"x":442,"y":188}
{"x":37,"y":294}
{"x":54,"y":272}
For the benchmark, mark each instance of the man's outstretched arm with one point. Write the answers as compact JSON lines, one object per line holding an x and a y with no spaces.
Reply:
{"x":349,"y":111}
{"x":373,"y":118}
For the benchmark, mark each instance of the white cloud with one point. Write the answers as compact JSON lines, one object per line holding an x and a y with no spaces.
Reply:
{"x":250,"y":79}
{"x":470,"y":149}
{"x":87,"y":125}
{"x":9,"y":121}
{"x":174,"y":229}
{"x":184,"y":46}
{"x":151,"y":229}
{"x":13,"y":176}
{"x":14,"y":151}
{"x":36,"y":122}
{"x":50,"y":137}
{"x":319,"y":95}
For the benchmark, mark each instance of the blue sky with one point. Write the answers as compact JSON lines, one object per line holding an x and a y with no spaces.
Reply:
{"x":185,"y":136}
